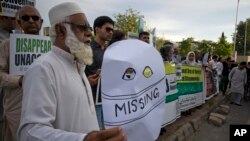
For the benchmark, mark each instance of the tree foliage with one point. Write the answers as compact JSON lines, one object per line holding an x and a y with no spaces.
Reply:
{"x":186,"y":45}
{"x":206,"y":46}
{"x":159,"y":42}
{"x":222,"y":47}
{"x":240,"y":37}
{"x":128,"y":21}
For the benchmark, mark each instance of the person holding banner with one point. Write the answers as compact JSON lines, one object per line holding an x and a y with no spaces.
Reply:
{"x":198,"y":57}
{"x":30,"y":22}
{"x":176,"y":58}
{"x":57,"y":99}
{"x":6,"y":25}
{"x":190,"y":59}
{"x":166,"y":52}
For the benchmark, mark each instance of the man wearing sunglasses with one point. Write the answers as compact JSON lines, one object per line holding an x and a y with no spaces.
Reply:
{"x":57,"y":99}
{"x":103,"y":30}
{"x":30,"y":22}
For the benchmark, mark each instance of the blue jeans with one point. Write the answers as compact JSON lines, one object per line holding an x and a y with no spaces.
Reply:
{"x":99,"y":115}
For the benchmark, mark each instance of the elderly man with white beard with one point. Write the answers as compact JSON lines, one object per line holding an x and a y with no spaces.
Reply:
{"x":57,"y":98}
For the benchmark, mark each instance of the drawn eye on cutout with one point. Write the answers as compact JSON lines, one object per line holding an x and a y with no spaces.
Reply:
{"x":129,"y":74}
{"x":147,"y":72}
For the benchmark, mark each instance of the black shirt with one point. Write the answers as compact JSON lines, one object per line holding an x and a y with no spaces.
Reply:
{"x":98,"y":53}
{"x":248,"y":75}
{"x":226,"y":69}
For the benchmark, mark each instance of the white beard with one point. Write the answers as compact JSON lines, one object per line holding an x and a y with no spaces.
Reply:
{"x":80,"y":50}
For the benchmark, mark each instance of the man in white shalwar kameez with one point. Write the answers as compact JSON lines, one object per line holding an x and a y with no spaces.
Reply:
{"x":30,"y":22}
{"x":57,"y":98}
{"x":238,"y":79}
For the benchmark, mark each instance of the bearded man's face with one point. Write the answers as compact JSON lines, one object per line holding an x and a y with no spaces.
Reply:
{"x":82,"y":52}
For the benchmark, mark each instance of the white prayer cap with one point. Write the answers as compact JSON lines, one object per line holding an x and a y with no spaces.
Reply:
{"x":60,"y":11}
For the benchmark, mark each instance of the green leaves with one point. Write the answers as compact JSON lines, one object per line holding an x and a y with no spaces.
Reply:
{"x":240,"y":37}
{"x":128,"y":21}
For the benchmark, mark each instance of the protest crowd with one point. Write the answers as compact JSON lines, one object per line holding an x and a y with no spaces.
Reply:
{"x":58,"y":98}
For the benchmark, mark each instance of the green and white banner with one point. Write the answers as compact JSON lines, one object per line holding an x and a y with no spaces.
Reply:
{"x":24,"y":49}
{"x":172,"y":108}
{"x":191,"y":87}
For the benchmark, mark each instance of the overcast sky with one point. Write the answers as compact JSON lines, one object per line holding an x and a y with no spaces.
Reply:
{"x":173,"y":19}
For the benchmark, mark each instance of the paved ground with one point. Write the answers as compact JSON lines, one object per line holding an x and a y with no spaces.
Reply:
{"x":186,"y":126}
{"x":237,"y":115}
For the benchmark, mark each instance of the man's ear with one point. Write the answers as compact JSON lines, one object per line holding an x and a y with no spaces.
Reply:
{"x":19,"y":23}
{"x":96,"y":29}
{"x":60,"y":31}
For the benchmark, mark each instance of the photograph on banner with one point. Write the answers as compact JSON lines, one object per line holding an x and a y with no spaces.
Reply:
{"x":172,"y":111}
{"x":191,"y":88}
{"x":10,"y":7}
{"x":178,"y":71}
{"x":133,"y":89}
{"x":205,"y":59}
{"x":212,"y":84}
{"x":24,"y":49}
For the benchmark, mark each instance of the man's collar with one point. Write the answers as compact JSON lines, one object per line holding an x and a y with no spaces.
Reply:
{"x":95,"y":44}
{"x":63,"y":53}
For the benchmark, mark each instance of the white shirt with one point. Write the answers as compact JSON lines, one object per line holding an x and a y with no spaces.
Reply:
{"x":57,"y":100}
{"x":213,"y":64}
{"x":176,"y":58}
{"x":219,"y":68}
{"x":4,"y":35}
{"x":238,"y":79}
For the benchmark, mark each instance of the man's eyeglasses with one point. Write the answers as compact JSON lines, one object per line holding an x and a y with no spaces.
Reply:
{"x":27,"y":18}
{"x":108,"y":29}
{"x":81,"y":27}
